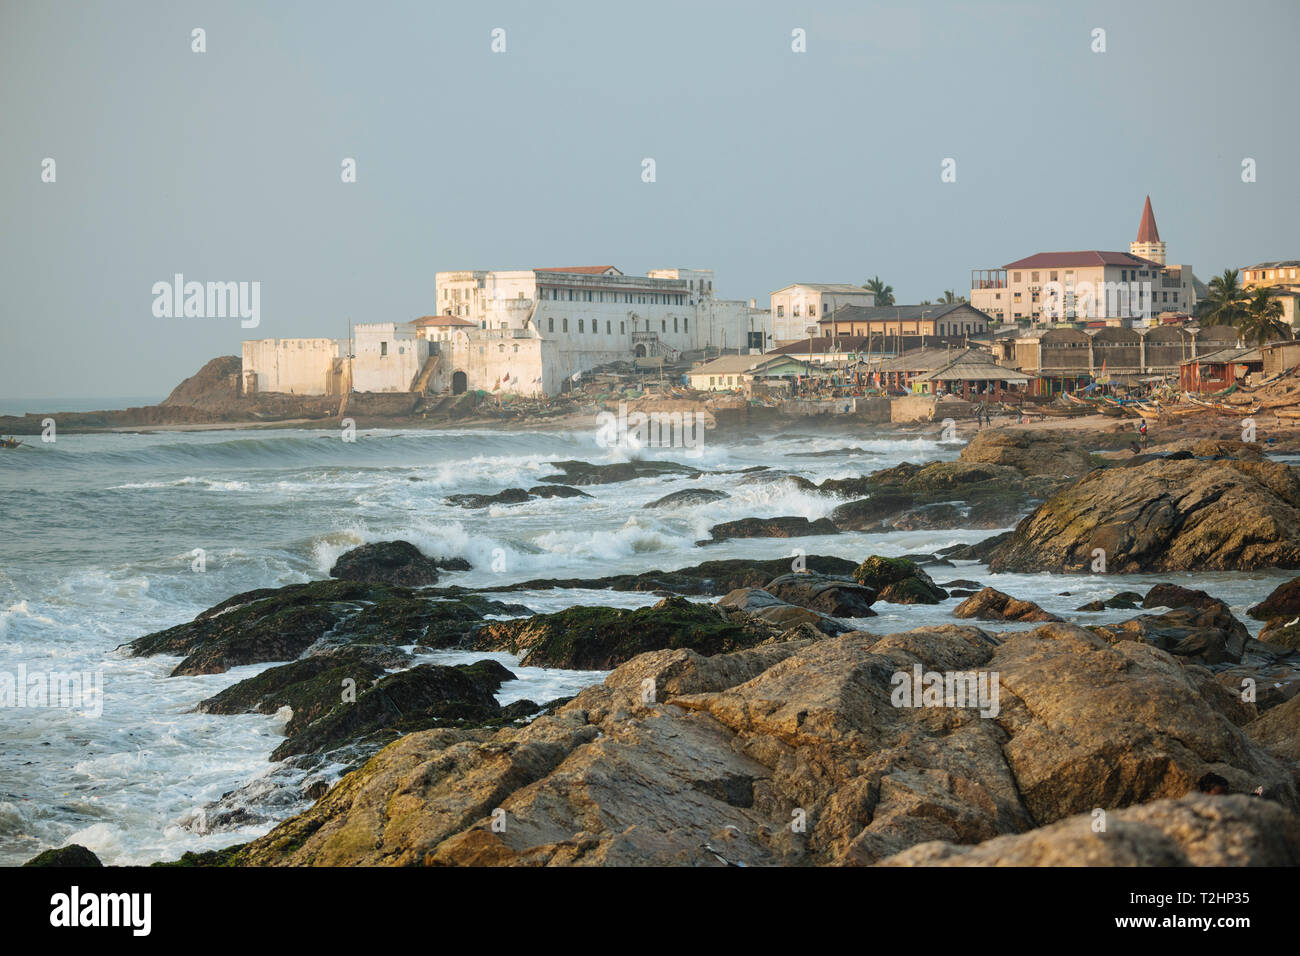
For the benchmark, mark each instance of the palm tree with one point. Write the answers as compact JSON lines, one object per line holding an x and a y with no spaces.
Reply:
{"x":950,"y":297}
{"x":1262,"y":322}
{"x":926,"y":302}
{"x":1227,"y":303}
{"x":884,"y":293}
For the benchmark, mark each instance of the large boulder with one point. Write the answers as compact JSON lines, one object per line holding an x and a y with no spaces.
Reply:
{"x":691,"y":496}
{"x":1281,"y":613}
{"x":992,"y":605}
{"x":795,"y":526}
{"x":1209,"y":635}
{"x":898,"y":581}
{"x":392,"y":562}
{"x":769,"y":607}
{"x":679,"y":759}
{"x":1228,"y":515}
{"x":72,"y":855}
{"x":1032,"y":452}
{"x":833,"y":595}
{"x":1196,"y":830}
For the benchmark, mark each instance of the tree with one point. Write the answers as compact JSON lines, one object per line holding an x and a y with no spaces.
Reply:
{"x":950,"y":297}
{"x":884,"y":293}
{"x":1262,"y":322}
{"x":1227,"y":303}
{"x":926,"y":302}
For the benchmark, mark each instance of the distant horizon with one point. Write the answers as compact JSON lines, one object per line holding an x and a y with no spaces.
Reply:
{"x":771,"y":166}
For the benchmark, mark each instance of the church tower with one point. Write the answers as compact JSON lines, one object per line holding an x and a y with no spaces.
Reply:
{"x":1148,"y":244}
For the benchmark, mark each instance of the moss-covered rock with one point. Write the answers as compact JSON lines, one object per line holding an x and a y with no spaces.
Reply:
{"x":599,"y":638}
{"x":279,"y":624}
{"x":72,"y":855}
{"x":898,"y":581}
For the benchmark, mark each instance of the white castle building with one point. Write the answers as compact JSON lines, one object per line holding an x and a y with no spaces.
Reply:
{"x":528,"y":332}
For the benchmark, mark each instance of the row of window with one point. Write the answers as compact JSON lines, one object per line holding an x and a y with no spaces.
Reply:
{"x":794,"y":310}
{"x":609,"y":325}
{"x":596,"y":295}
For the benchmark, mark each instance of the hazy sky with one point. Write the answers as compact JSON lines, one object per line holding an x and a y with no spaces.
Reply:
{"x":772,"y":166}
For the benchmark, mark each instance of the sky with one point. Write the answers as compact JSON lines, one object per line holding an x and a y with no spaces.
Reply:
{"x":771,"y":166}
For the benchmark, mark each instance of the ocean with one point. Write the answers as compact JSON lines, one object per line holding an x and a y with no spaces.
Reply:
{"x":98,"y":536}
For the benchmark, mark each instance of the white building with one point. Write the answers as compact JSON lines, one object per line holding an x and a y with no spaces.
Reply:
{"x":535,"y":330}
{"x":804,"y":304}
{"x":295,"y":366}
{"x":389,"y":356}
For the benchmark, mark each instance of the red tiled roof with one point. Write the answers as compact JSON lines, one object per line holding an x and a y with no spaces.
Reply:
{"x":1147,"y":231}
{"x":580,"y":270}
{"x":1087,"y":257}
{"x":427,"y":320}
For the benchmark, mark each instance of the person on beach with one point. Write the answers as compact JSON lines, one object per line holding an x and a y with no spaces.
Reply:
{"x":1142,"y":430}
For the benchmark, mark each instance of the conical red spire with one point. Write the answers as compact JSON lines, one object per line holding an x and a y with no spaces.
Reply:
{"x":1147,"y":231}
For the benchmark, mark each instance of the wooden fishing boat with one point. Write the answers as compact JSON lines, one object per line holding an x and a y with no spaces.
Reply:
{"x":10,"y":442}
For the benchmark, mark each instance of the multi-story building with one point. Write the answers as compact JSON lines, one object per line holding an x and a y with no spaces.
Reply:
{"x":1282,"y":279}
{"x":538,"y":329}
{"x":1131,"y":287}
{"x":804,"y":304}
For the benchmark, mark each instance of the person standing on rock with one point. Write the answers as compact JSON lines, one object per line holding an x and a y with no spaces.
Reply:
{"x":1142,"y":430}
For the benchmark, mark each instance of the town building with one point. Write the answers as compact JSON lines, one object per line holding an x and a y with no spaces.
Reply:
{"x":1282,"y":279}
{"x":1131,"y":287}
{"x":388,"y":356}
{"x":729,"y":372}
{"x":945,"y":319}
{"x":802,"y":305}
{"x":1215,"y":371}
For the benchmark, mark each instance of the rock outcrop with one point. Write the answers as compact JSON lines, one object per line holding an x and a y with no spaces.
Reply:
{"x":393,"y":562}
{"x":790,"y":526}
{"x":1223,"y":515}
{"x":992,"y":605}
{"x":796,"y":753}
{"x":1048,"y":453}
{"x":827,"y":594}
{"x":1196,"y":830}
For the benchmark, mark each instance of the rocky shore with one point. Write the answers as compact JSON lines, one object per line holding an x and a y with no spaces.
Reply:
{"x":749,"y":717}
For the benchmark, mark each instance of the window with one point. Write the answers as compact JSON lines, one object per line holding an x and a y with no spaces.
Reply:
{"x":383,"y":348}
{"x":686,"y":324}
{"x":580,"y":321}
{"x":565,"y":324}
{"x":780,"y":312}
{"x":796,"y":312}
{"x":663,"y":325}
{"x":622,"y":328}
{"x":550,"y":324}
{"x":1015,"y":277}
{"x":609,"y":326}
{"x":674,"y":323}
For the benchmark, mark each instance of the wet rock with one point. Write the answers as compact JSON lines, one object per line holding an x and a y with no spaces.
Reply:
{"x":767,"y":606}
{"x":556,"y":491}
{"x":868,"y":513}
{"x":898,"y":581}
{"x":783,"y":527}
{"x":713,"y":578}
{"x":72,"y":855}
{"x":510,"y":496}
{"x":836,"y":596}
{"x":424,"y":696}
{"x":1209,"y":635}
{"x":692,"y":496}
{"x":598,"y":638}
{"x":393,"y":562}
{"x":1281,"y":613}
{"x":979,"y":551}
{"x":280,"y":624}
{"x":1196,"y":830}
{"x":992,"y":605}
{"x":1173,"y":595}
{"x":586,"y":473}
{"x":1164,"y":516}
